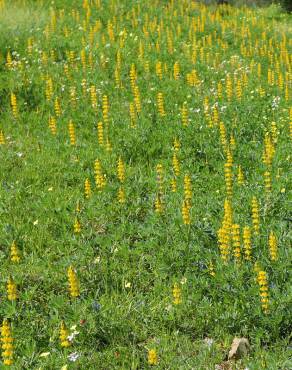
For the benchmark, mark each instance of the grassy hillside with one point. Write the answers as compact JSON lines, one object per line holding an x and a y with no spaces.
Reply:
{"x":145,"y":152}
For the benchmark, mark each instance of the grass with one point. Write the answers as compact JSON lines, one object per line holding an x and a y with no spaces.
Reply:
{"x":128,"y":256}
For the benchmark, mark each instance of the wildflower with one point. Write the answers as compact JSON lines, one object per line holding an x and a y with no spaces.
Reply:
{"x":147,"y":66}
{"x":87,"y":189}
{"x":176,"y":71}
{"x":11,"y":290}
{"x":100,"y":133}
{"x":7,"y":343}
{"x":228,"y":179}
{"x":57,"y":107}
{"x":175,"y":164}
{"x":240,"y":176}
{"x":121,"y":195}
{"x":236,"y":241}
{"x":73,"y":334}
{"x":262,"y":281}
{"x":121,"y":170}
{"x":64,"y":336}
{"x":73,"y":356}
{"x":133,"y":115}
{"x":223,"y":138}
{"x":269,"y":150}
{"x":232,"y":142}
{"x":160,"y":105}
{"x":186,"y":213}
{"x":215,"y":115}
{"x":238,"y":90}
{"x":93,"y":97}
{"x":247,"y":243}
{"x":219,"y":90}
{"x":187,"y":190}
{"x":49,"y":89}
{"x":176,"y":144}
{"x":108,"y":146}
{"x":14,"y":253}
{"x":105,"y":109}
{"x":52,"y":125}
{"x":2,"y":138}
{"x":158,"y":69}
{"x":223,"y":241}
{"x":96,"y":306}
{"x":183,"y":280}
{"x":98,"y":175}
{"x":152,"y":357}
{"x":184,"y":115}
{"x":73,"y":99}
{"x":158,"y":205}
{"x":14,"y":107}
{"x":268,"y":181}
{"x":77,"y":226}
{"x":173,"y":185}
{"x":73,"y":283}
{"x":225,"y":232}
{"x":78,"y":207}
{"x":133,"y":76}
{"x":137,"y":99}
{"x":211,"y":269}
{"x":97,"y":260}
{"x":209,"y":342}
{"x":229,"y":89}
{"x":159,"y":178}
{"x":176,"y":292}
{"x":255,"y":215}
{"x":273,"y":246}
{"x":8,"y":56}
{"x":72,"y":133}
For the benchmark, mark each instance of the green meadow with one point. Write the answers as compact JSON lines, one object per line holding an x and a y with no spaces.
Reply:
{"x":145,"y":185}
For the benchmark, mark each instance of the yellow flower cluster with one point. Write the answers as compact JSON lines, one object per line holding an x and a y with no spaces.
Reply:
{"x":73,"y":283}
{"x":255,"y":215}
{"x":64,"y":336}
{"x":262,"y":281}
{"x":6,"y":343}
{"x":273,"y":246}
{"x":11,"y":290}
{"x":176,"y":292}
{"x":14,"y":253}
{"x":152,"y":357}
{"x":87,"y":189}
